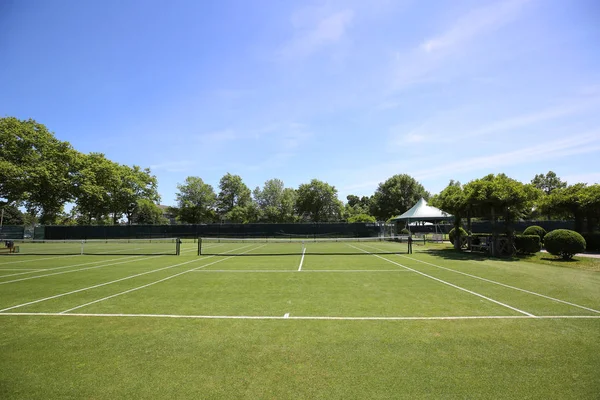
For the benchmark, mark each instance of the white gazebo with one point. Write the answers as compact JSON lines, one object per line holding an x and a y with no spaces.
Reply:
{"x":423,"y":213}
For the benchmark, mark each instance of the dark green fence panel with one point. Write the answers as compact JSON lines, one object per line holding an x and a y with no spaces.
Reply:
{"x":215,"y":230}
{"x":12,"y":232}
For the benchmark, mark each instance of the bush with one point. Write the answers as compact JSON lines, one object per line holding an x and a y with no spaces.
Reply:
{"x":592,"y":241}
{"x":527,"y":244}
{"x":404,"y":231}
{"x":564,"y":243}
{"x":463,"y":235}
{"x":535,"y":230}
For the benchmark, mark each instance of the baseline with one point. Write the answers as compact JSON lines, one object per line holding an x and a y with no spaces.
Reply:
{"x":340,"y":318}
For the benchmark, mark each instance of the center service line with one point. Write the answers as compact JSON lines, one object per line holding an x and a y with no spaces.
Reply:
{"x":302,"y":259}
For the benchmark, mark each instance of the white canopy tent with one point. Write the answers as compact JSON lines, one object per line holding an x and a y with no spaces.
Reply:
{"x":422,"y":212}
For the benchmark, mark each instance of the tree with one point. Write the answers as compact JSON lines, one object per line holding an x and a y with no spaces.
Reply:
{"x":134,"y":184}
{"x":148,"y":213}
{"x":234,"y":198}
{"x":453,"y":200}
{"x":94,"y":183}
{"x":548,"y":183}
{"x":11,"y":215}
{"x":196,"y":201}
{"x":35,"y":168}
{"x":275,"y":202}
{"x":361,"y":218}
{"x":317,"y":201}
{"x":495,"y":196}
{"x":577,"y":201}
{"x":396,"y":195}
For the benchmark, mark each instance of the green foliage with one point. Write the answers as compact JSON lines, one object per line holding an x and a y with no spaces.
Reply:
{"x":500,"y":196}
{"x":317,"y":202}
{"x":404,"y":231}
{"x":233,"y":199}
{"x":535,"y":230}
{"x":148,"y":213}
{"x":564,"y":243}
{"x":12,"y":215}
{"x":548,"y":183}
{"x":527,"y":244}
{"x":395,"y":196}
{"x":361,"y":218}
{"x":196,"y":201}
{"x":592,"y":241}
{"x":35,"y":167}
{"x":275,"y":202}
{"x":462,"y":233}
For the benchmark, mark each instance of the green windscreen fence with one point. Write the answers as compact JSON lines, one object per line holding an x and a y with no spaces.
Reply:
{"x":12,"y":232}
{"x":312,"y":230}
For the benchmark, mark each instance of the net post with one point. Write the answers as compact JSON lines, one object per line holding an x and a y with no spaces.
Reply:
{"x":199,"y":246}
{"x":177,"y":246}
{"x":82,"y":246}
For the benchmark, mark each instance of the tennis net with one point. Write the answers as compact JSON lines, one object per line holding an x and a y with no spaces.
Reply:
{"x":297,"y":246}
{"x":162,"y":246}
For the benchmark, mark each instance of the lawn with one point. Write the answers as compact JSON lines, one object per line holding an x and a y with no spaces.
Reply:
{"x":433,"y":324}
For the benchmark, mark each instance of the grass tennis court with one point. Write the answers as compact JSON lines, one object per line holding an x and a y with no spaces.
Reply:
{"x":370,"y":324}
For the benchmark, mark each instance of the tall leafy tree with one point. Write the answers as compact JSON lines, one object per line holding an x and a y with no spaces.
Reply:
{"x":135,"y":184}
{"x":275,"y":202}
{"x":148,"y":213}
{"x":35,"y":168}
{"x":548,"y":183}
{"x":11,"y":215}
{"x":567,"y":203}
{"x":396,"y":195}
{"x":196,"y":201}
{"x":453,"y":201}
{"x":234,"y":198}
{"x":317,"y":201}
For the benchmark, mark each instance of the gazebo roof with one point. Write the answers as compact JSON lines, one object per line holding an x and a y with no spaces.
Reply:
{"x":423,"y":212}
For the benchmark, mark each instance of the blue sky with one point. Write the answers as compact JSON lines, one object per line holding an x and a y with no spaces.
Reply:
{"x":349,"y":92}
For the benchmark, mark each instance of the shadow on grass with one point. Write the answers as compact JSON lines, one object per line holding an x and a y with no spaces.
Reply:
{"x":451,"y":254}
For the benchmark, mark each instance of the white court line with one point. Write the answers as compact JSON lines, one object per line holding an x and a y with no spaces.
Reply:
{"x":158,"y":281}
{"x":69,"y":266}
{"x":23,"y":269}
{"x":302,"y":259}
{"x":503,"y":284}
{"x":35,"y":259}
{"x":286,"y":315}
{"x":339,"y":318}
{"x":99,"y":285}
{"x":304,"y":270}
{"x":447,"y":283}
{"x":127,"y":260}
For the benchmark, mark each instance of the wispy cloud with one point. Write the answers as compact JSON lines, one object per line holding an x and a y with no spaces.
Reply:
{"x":578,"y":144}
{"x":217,"y":137}
{"x":419,"y":64}
{"x":474,"y":24}
{"x":320,"y":32}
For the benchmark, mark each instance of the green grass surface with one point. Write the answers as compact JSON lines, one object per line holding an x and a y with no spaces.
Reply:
{"x":434,"y":324}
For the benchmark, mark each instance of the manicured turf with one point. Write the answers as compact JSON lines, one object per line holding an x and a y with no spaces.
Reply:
{"x":434,"y":324}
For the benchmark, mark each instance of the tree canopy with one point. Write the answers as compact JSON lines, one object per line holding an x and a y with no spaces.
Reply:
{"x":196,"y":201}
{"x":396,"y":195}
{"x":317,"y":202}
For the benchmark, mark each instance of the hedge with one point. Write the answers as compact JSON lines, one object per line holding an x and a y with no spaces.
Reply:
{"x":535,"y":230}
{"x":564,"y":243}
{"x":451,"y":234}
{"x":527,"y":244}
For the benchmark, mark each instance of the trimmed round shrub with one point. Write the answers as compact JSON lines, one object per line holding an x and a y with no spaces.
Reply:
{"x":404,"y":231}
{"x":564,"y":243}
{"x":452,"y":234}
{"x":527,"y":244}
{"x":535,"y":230}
